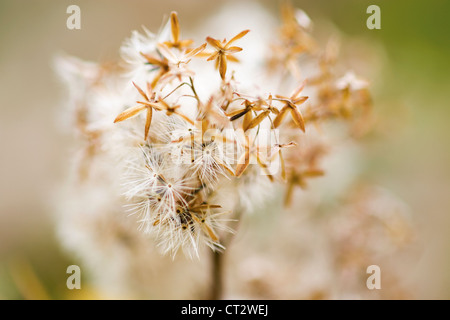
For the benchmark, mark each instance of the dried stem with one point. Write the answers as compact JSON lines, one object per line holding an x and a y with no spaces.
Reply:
{"x":217,"y":262}
{"x":217,"y":258}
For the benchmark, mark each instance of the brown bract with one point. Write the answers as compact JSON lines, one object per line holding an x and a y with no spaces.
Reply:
{"x":149,"y":104}
{"x":291,"y":106}
{"x":176,"y":42}
{"x":224,"y":51}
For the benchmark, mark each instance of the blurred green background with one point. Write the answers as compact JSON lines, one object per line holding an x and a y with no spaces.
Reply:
{"x":410,"y":155}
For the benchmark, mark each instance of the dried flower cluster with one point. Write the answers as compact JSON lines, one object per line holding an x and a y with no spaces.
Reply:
{"x":192,"y":149}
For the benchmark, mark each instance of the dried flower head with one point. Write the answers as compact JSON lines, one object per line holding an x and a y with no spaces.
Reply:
{"x":224,"y":51}
{"x":191,"y":161}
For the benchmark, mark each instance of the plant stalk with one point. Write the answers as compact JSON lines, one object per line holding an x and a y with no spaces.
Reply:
{"x":217,"y":275}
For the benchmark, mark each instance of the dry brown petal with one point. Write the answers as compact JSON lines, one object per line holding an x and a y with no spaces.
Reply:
{"x":280,"y":97}
{"x":298,"y":90}
{"x":234,"y":50}
{"x":213,"y":56}
{"x":194,"y":52}
{"x":234,"y":114}
{"x":237,"y":37}
{"x":214,"y":43}
{"x":141,"y":91}
{"x":232,"y":58}
{"x":185,"y":43}
{"x":264,"y":167}
{"x":206,"y":54}
{"x":279,"y":118}
{"x":247,"y":120}
{"x":287,"y":145}
{"x":298,"y":118}
{"x":157,"y":78}
{"x":257,"y":120}
{"x":184,"y":117}
{"x":205,"y":206}
{"x":148,"y":122}
{"x":151,"y":104}
{"x":222,"y":66}
{"x":175,"y":26}
{"x":130,"y":112}
{"x":150,"y":89}
{"x":289,"y":193}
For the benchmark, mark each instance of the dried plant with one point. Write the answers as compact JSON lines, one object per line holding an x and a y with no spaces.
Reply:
{"x":191,"y":159}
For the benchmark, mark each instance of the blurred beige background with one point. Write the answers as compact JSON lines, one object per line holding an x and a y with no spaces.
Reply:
{"x":411,"y":158}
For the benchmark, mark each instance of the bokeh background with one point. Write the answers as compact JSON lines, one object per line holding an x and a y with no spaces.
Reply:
{"x":410,"y":155}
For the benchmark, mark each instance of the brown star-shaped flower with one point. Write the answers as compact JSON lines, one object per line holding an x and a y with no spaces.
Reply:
{"x":224,"y":51}
{"x":291,"y":105}
{"x":149,"y":104}
{"x":175,"y":29}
